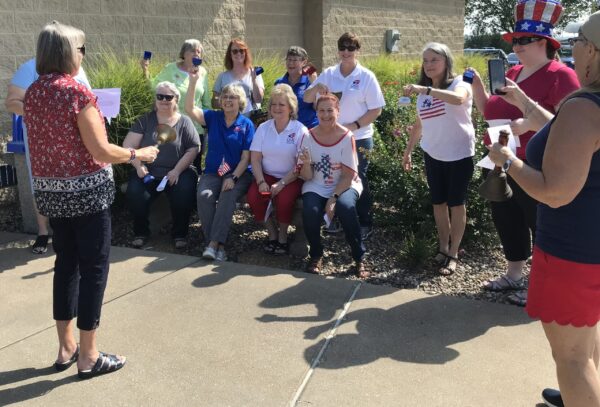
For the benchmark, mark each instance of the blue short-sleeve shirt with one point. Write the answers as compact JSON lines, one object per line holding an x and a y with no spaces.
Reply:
{"x":306,"y":112}
{"x":226,"y":142}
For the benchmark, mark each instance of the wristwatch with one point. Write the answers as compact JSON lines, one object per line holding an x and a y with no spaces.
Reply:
{"x":506,"y":165}
{"x":234,"y":178}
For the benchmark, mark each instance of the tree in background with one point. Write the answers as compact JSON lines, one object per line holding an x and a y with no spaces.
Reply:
{"x":496,"y":16}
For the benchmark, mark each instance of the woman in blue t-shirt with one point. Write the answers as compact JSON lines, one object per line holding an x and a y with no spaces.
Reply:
{"x":226,"y":176}
{"x":564,"y":176}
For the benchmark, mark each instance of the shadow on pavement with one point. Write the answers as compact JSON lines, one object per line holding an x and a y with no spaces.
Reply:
{"x":31,"y":390}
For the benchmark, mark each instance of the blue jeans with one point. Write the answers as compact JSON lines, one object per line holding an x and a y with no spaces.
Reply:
{"x":181,"y":201}
{"x":363,"y":207}
{"x":313,"y":208}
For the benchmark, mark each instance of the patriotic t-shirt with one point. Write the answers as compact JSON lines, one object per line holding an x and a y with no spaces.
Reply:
{"x":327,"y":163}
{"x":448,"y":133}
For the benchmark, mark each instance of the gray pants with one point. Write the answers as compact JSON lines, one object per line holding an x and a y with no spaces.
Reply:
{"x":215,"y":208}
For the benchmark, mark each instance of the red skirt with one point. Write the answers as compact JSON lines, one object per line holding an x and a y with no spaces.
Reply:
{"x":563,"y":291}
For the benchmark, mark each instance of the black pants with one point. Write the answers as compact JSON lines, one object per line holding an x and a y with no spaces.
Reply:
{"x":515,"y":222}
{"x":82,"y":247}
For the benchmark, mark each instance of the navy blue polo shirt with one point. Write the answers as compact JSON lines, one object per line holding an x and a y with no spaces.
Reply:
{"x":226,"y":142}
{"x":306,"y":113}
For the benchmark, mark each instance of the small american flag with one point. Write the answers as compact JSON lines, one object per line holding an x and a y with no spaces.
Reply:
{"x":224,"y":168}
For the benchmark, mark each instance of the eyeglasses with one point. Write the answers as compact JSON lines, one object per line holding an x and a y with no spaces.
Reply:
{"x":229,"y":97}
{"x":168,"y":98}
{"x":525,"y":40}
{"x":573,"y":41}
{"x":293,"y":60}
{"x":238,"y":51}
{"x":82,"y":49}
{"x":350,"y":48}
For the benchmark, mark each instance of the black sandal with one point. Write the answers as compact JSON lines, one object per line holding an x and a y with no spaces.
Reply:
{"x":62,"y":366}
{"x":105,"y":364}
{"x":282,"y":248}
{"x":270,"y":246}
{"x":40,"y":246}
{"x":449,"y":266}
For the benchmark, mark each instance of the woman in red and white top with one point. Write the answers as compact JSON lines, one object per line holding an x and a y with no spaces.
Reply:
{"x":329,"y":168}
{"x":273,"y":154}
{"x":448,"y":141}
{"x":74,"y":187}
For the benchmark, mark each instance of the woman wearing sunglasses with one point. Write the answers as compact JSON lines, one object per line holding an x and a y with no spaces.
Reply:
{"x":361,"y":102}
{"x":563,"y":174}
{"x":227,"y":176}
{"x":547,"y":82}
{"x":238,"y":62}
{"x":174,"y":163}
{"x":74,"y":187}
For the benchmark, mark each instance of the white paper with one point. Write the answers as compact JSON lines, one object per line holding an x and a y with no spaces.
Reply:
{"x":327,"y":220}
{"x":494,"y":133}
{"x":162,"y":185}
{"x":269,"y":210}
{"x":109,"y":101}
{"x":500,"y":123}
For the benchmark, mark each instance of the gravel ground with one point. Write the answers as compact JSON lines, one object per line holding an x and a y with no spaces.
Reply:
{"x":383,"y":247}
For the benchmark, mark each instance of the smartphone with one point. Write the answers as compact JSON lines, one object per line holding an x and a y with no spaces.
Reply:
{"x":468,"y":76}
{"x":147,"y":55}
{"x":259,"y":70}
{"x":497,"y":76}
{"x":197,"y":61}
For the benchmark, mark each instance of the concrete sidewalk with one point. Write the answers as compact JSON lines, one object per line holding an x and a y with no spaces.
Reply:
{"x":206,"y":334}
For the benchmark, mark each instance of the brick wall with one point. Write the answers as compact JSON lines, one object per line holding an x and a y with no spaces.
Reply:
{"x":272,"y":26}
{"x":418,"y":22}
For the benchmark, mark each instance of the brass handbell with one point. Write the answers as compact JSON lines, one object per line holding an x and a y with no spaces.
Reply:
{"x":495,"y":188}
{"x":165,"y":134}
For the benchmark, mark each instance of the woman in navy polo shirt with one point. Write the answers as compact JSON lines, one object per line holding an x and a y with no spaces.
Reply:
{"x":299,"y":76}
{"x":226,"y":176}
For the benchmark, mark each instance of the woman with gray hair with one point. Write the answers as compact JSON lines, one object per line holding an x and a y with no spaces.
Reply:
{"x":444,"y":126}
{"x":74,"y":187}
{"x":177,"y":73}
{"x":274,"y":153}
{"x":227,"y":176}
{"x":174,"y":166}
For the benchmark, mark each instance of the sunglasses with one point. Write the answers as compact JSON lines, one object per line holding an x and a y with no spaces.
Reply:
{"x":238,"y":51}
{"x":82,"y":49}
{"x":573,"y":41}
{"x":168,"y":98}
{"x":229,"y":97}
{"x":525,"y":40}
{"x":350,"y":48}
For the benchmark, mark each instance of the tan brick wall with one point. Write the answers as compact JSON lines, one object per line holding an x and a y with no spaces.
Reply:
{"x":129,"y":26}
{"x":418,"y":22}
{"x":273,"y":25}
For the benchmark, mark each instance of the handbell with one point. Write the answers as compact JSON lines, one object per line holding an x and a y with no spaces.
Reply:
{"x":495,"y":188}
{"x":165,"y":134}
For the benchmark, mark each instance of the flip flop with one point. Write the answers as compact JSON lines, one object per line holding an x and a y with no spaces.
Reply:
{"x":104,"y":364}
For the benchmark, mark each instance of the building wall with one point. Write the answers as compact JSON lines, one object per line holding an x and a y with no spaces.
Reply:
{"x":132,"y":26}
{"x":418,"y":22}
{"x":272,"y":26}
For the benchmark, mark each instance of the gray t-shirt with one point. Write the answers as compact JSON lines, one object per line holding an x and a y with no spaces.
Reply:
{"x":226,"y":78}
{"x":169,"y":153}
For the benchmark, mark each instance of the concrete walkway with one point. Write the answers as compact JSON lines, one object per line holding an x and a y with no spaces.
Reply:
{"x":205,"y":334}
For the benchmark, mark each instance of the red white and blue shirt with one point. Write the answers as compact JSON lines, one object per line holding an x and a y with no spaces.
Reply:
{"x":67,"y":180}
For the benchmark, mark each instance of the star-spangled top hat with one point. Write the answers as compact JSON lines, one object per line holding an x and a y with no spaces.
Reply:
{"x":536,"y":18}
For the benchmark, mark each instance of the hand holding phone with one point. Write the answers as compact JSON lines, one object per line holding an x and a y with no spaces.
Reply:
{"x":196,"y":61}
{"x":147,"y":55}
{"x":497,"y":76}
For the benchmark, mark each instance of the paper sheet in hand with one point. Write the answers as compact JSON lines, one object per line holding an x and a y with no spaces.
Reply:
{"x":503,"y":122}
{"x":162,"y":185}
{"x":494,"y":133}
{"x":109,"y":101}
{"x":269,"y":210}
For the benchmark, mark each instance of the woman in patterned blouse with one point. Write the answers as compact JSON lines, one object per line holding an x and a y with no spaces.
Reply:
{"x":74,"y":187}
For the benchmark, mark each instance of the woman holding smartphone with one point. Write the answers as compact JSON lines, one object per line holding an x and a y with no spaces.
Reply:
{"x":547,"y":82}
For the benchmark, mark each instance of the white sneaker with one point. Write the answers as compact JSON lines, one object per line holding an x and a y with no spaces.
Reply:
{"x":209,"y":253}
{"x":221,"y":255}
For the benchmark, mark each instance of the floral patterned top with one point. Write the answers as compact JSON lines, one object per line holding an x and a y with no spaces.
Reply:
{"x":67,"y":181}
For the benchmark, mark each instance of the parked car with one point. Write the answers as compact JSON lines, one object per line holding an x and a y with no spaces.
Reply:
{"x":512,"y":59}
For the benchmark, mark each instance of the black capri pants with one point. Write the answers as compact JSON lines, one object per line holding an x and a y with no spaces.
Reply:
{"x":448,"y":180}
{"x":82,"y":247}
